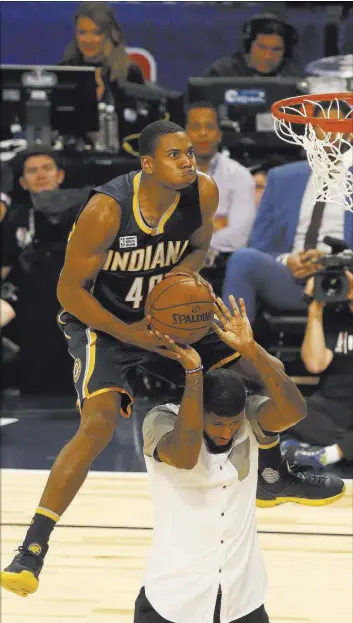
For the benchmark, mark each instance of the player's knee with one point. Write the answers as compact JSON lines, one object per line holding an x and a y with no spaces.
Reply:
{"x":243,"y":260}
{"x":100,"y":416}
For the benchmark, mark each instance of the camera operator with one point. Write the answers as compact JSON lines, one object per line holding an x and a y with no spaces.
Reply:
{"x":268,"y":42}
{"x":326,"y":435}
{"x":34,"y":237}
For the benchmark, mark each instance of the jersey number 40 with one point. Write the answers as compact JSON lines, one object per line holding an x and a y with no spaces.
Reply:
{"x":137,"y":293}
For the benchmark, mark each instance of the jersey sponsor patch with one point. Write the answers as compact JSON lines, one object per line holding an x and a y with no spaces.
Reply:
{"x":128,"y":242}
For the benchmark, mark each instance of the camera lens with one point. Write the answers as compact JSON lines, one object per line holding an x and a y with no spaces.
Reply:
{"x":331,"y":285}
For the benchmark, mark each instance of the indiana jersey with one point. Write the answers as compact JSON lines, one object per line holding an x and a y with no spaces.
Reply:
{"x":141,"y":255}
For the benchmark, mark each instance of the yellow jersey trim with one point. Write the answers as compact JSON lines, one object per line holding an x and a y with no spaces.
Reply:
{"x":268,"y":446}
{"x":47,"y":513}
{"x":137,"y":213}
{"x":120,"y":390}
{"x":59,"y":317}
{"x":90,"y":361}
{"x":72,"y":231}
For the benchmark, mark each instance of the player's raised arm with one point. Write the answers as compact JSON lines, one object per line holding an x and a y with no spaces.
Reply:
{"x":181,"y":447}
{"x":286,"y":405}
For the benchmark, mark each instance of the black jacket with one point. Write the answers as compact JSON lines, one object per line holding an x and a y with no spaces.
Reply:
{"x":236,"y":66}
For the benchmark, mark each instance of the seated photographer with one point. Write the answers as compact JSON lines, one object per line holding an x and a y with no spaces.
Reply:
{"x":34,"y":238}
{"x":235,"y":214}
{"x":287,"y":239}
{"x":268,"y":43}
{"x":326,"y":435}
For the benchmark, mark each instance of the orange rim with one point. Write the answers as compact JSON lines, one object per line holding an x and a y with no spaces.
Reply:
{"x":330,"y":125}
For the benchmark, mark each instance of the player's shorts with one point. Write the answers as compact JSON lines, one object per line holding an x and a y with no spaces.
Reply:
{"x":104,"y":364}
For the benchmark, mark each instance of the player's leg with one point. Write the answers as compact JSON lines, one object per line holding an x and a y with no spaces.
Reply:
{"x":254,"y":275}
{"x":257,"y":616}
{"x":98,"y":422}
{"x":97,"y":361}
{"x":277,"y":482}
{"x":324,"y":438}
{"x":144,"y":611}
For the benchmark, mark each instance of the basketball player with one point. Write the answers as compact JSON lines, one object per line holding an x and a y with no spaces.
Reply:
{"x":205,"y":564}
{"x":133,"y":231}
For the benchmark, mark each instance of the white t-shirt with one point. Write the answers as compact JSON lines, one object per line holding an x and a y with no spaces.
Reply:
{"x":332,"y":220}
{"x":205,"y":531}
{"x":236,"y":188}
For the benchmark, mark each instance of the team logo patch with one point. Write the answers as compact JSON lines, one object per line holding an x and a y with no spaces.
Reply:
{"x":35,"y":548}
{"x":128,"y":242}
{"x":77,"y":369}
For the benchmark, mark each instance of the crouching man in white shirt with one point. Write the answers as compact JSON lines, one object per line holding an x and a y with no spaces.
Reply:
{"x":205,"y":564}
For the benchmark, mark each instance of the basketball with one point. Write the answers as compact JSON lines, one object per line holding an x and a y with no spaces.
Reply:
{"x":180,"y":308}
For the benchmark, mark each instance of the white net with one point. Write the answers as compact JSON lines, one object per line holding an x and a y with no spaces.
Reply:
{"x":329,"y":153}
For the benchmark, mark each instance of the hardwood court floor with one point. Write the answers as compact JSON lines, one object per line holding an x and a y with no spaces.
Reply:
{"x":97,"y":553}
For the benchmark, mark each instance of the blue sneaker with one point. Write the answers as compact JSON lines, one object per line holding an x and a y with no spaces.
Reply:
{"x":296,"y":453}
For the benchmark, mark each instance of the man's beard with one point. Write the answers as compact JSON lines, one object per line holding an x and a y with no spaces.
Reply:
{"x":214,"y":448}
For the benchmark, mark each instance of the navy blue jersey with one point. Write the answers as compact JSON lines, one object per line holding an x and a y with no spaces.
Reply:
{"x":140,"y":256}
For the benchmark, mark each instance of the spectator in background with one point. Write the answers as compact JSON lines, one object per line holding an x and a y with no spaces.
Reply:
{"x":40,"y":172}
{"x":327,"y":350}
{"x":268,"y":43}
{"x":34,"y":239}
{"x":259,"y":173}
{"x":236,"y":208}
{"x":99,"y":42}
{"x":287,"y":238}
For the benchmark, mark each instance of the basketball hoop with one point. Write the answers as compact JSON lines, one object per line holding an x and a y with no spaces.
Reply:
{"x":327,"y":141}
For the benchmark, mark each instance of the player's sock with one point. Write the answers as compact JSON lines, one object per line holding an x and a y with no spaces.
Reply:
{"x":270,"y":459}
{"x":40,"y":530}
{"x":332,"y":454}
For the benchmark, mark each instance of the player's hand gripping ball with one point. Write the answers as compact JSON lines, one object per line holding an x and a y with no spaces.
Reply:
{"x":181,"y":308}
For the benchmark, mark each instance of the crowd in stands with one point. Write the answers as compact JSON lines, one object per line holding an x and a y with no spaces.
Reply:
{"x":266,"y":246}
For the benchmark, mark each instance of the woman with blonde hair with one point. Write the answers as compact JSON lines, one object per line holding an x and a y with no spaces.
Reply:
{"x":99,"y":42}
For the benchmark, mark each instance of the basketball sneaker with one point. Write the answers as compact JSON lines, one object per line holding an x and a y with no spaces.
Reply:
{"x":300,"y":486}
{"x":21,"y":576}
{"x":299,"y":454}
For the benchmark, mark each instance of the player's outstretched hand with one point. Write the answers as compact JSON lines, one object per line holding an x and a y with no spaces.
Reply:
{"x":187,"y":356}
{"x":234,"y":329}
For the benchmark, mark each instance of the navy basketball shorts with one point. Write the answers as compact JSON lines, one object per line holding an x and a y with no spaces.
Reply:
{"x":104,"y":364}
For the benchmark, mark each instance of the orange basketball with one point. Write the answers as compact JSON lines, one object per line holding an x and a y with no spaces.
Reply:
{"x":180,"y":308}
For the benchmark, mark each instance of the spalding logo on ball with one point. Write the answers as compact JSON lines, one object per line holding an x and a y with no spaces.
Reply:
{"x":179,"y":319}
{"x":180,"y":308}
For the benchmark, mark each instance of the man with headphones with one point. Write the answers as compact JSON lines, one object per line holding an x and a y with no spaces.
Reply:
{"x":268,"y":47}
